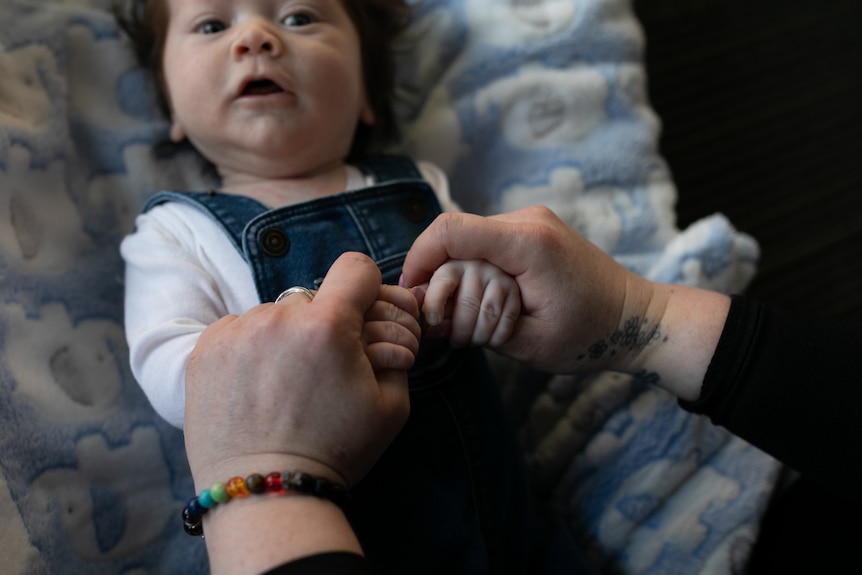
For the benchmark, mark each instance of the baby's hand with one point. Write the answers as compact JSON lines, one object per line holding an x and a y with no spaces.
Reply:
{"x":475,"y":302}
{"x":391,"y":332}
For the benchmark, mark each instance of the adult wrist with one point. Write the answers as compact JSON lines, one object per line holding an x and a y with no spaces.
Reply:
{"x":643,"y":325}
{"x":204,"y":475}
{"x":690,"y":325}
{"x":634,"y":327}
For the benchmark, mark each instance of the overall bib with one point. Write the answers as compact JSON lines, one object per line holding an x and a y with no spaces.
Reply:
{"x":450,"y":494}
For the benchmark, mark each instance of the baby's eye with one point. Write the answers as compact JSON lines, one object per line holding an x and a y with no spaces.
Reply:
{"x":212,"y":27}
{"x":296,"y":20}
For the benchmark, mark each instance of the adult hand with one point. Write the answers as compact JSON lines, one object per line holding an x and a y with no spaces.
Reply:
{"x":573,"y":295}
{"x":318,"y":386}
{"x":580,"y":309}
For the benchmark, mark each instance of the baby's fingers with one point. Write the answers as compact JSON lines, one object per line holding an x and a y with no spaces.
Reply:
{"x":400,"y":297}
{"x":508,"y":316}
{"x":487,"y":307}
{"x":440,"y":291}
{"x":490,"y":315}
{"x":390,"y":345}
{"x":398,"y":307}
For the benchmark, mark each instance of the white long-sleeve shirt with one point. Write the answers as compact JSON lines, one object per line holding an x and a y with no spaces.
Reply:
{"x":182,"y":274}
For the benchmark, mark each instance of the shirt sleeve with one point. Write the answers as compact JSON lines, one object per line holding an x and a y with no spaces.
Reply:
{"x":789,"y":385}
{"x":340,"y":563}
{"x":169,"y":300}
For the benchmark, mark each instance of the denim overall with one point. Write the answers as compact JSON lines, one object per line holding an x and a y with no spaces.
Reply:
{"x":450,"y":494}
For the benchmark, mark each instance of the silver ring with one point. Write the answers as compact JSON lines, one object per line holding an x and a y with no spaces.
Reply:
{"x":293,"y":290}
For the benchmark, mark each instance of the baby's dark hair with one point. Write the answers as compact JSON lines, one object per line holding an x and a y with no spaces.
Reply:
{"x":378,"y":23}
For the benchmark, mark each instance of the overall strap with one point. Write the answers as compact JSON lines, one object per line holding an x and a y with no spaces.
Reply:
{"x":231,"y":212}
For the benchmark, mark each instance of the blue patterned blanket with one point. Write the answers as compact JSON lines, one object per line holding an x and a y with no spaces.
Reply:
{"x":522,"y":103}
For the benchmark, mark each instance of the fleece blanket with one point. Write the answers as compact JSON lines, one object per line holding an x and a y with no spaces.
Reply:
{"x":521,"y":102}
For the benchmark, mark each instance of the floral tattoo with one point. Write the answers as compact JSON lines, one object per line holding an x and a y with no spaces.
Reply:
{"x":635,"y":335}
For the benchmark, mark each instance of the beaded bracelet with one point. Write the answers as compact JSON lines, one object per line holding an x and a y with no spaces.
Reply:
{"x":256,"y":484}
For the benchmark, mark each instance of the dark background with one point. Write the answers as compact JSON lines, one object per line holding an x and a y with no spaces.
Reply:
{"x":760,"y":104}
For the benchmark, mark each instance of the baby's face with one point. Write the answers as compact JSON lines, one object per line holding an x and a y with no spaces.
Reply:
{"x":266,"y":88}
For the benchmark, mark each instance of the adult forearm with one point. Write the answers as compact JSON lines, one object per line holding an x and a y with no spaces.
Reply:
{"x":786,"y":383}
{"x":258,"y":533}
{"x":688,"y":325}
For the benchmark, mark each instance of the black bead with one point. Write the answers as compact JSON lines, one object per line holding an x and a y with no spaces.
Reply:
{"x":194,"y":528}
{"x":303,"y":483}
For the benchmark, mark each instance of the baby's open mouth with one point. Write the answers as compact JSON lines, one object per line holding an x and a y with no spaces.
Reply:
{"x":261,"y":88}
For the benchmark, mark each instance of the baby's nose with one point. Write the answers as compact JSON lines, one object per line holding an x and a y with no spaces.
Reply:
{"x":257,"y":38}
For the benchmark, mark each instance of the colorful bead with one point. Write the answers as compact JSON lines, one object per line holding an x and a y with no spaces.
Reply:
{"x":219,"y":493}
{"x":205,"y":499}
{"x":193,"y":510}
{"x":255,"y":483}
{"x":272,"y":482}
{"x":236,"y":487}
{"x":193,"y":514}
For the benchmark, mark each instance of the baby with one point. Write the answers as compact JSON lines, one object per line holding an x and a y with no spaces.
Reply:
{"x":290,"y":103}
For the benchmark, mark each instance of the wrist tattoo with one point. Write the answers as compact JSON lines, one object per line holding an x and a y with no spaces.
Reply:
{"x":635,"y":335}
{"x":650,"y":377}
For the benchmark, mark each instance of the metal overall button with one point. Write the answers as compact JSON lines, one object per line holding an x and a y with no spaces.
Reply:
{"x":274,"y":242}
{"x":415,"y":208}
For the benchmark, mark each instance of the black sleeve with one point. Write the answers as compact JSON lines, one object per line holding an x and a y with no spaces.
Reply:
{"x":336,"y":563}
{"x":790,"y":385}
